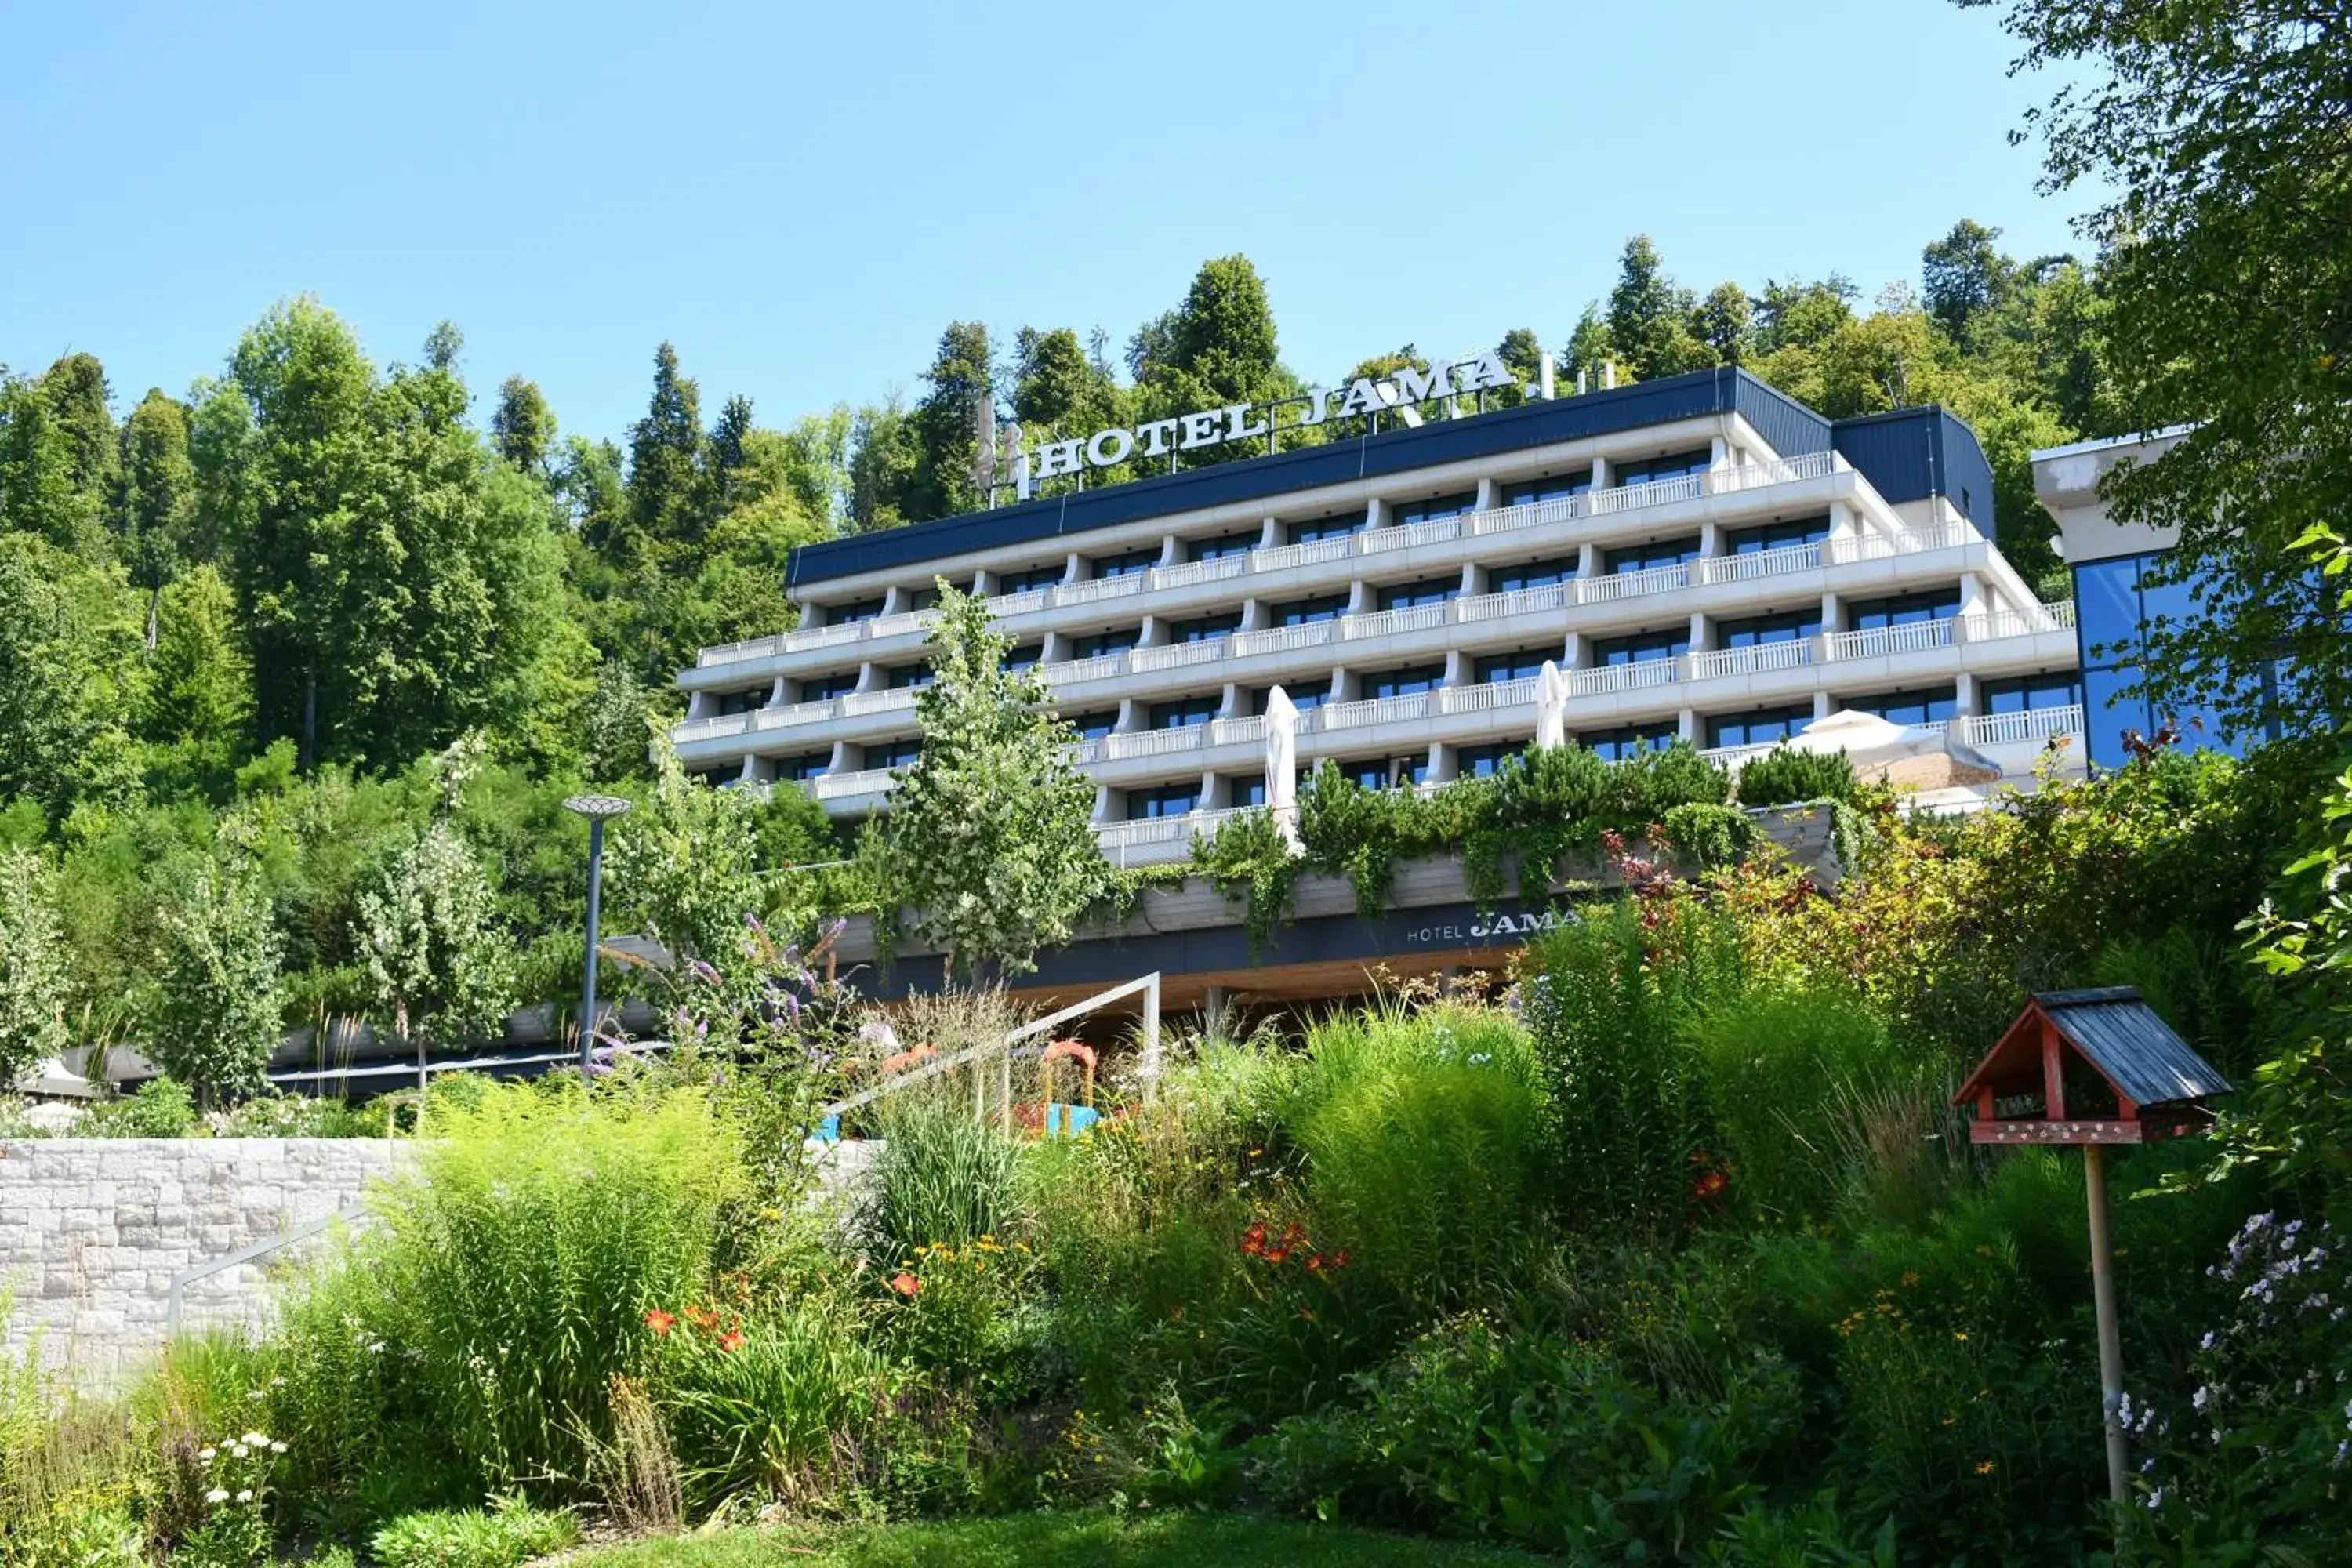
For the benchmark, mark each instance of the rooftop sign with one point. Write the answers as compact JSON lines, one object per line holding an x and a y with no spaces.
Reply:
{"x":1408,"y":388}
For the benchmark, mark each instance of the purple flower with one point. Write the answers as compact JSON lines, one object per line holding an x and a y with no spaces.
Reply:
{"x":703,"y":972}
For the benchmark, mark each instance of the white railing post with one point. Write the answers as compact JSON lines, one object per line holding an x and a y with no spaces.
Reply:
{"x":1150,"y":1037}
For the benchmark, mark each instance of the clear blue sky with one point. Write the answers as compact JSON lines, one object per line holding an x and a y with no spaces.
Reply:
{"x":801,"y":197}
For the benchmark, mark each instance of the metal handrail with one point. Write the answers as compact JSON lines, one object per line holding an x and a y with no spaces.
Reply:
{"x":243,"y":1254}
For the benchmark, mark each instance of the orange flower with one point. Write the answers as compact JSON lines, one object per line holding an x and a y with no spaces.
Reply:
{"x":659,"y":1321}
{"x":1339,"y":1259}
{"x":906,"y":1285}
{"x":1254,"y":1241}
{"x":732,"y":1340}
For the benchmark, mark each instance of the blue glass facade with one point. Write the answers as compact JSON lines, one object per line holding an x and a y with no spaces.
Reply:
{"x":2115,"y":603}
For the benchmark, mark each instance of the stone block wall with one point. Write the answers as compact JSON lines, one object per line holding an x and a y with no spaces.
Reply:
{"x":92,"y":1230}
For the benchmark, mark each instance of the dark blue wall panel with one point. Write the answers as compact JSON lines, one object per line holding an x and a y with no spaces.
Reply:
{"x":1910,"y":454}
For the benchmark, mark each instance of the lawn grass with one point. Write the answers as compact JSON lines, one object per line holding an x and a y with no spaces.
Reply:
{"x":1150,"y":1541}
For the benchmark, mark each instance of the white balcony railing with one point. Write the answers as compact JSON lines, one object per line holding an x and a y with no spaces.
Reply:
{"x":1388,"y":623}
{"x":865,"y":781}
{"x":1603,"y":680}
{"x":1129,"y":743}
{"x":1759,"y":660}
{"x":857,"y":702}
{"x":1364,"y":542}
{"x":1882,"y":642}
{"x":1760,"y":563}
{"x":1372,"y":710}
{"x":1176,"y":655}
{"x":1486,"y":696}
{"x":1632,"y":584}
{"x":2011,"y":729}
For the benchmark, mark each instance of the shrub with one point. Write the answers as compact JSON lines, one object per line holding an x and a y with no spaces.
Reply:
{"x":943,"y":1176}
{"x":162,"y":1108}
{"x":213,"y":1012}
{"x":770,"y":1404}
{"x":509,"y":1532}
{"x":1784,"y":775}
{"x":1707,"y":836}
{"x":34,"y":974}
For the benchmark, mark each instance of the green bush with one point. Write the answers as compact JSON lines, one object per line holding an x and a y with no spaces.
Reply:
{"x":1704,"y":836}
{"x":769,"y":1404}
{"x":162,"y":1108}
{"x":509,"y":1532}
{"x":943,"y":1176}
{"x":1784,"y":775}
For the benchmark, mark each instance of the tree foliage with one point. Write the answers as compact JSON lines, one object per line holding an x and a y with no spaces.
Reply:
{"x":214,"y":1009}
{"x":33,"y":978}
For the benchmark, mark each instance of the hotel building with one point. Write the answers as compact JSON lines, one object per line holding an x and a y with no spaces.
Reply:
{"x":1702,"y":557}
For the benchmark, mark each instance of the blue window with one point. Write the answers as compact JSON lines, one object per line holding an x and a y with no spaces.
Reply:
{"x":912,"y":676}
{"x":1168,"y":800}
{"x":2116,"y":602}
{"x":1203,"y":627}
{"x":1094,"y":645}
{"x":1532,"y":574}
{"x":1025,"y":656}
{"x":743,"y":701}
{"x":894,"y":753}
{"x":1762,"y":727}
{"x":1410,"y":595}
{"x":1657,"y":553}
{"x":2031,"y":693}
{"x":1788,"y":626}
{"x":825,"y":688}
{"x":1553,"y":487}
{"x":1482,"y":761}
{"x":1411,"y":512}
{"x":1523,"y":664}
{"x":1904,"y":609}
{"x":805,"y":766}
{"x":1777,"y":535}
{"x":1249,"y":789}
{"x":1306,"y":611}
{"x":1657,"y":470}
{"x":1185,"y":712}
{"x":1323,"y":527}
{"x":925,"y":598}
{"x":1929,"y":705}
{"x":1132,"y":564}
{"x":1387,"y":773}
{"x":1094,"y":726}
{"x":1218,"y":549}
{"x":1617,"y":745}
{"x":1306,"y":698}
{"x":1029,"y":579}
{"x":1642,"y":646}
{"x":853,"y":612}
{"x":1405,"y":682}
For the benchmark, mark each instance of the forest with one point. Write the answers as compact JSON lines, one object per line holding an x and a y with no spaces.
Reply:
{"x":239,"y":627}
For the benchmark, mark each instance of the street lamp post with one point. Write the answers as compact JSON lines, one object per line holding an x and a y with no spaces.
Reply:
{"x":596,"y":808}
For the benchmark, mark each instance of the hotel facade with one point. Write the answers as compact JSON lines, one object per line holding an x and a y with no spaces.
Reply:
{"x":1703,"y":559}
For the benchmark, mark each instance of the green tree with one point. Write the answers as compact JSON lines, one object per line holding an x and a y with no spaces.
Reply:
{"x":682,"y":866}
{"x":1797,"y":314}
{"x":523,"y":427}
{"x":986,"y":848}
{"x":436,"y":955}
{"x":155,"y":505}
{"x":37,"y":495}
{"x":1963,"y":275}
{"x":944,"y":424}
{"x":1058,"y":389}
{"x":2218,"y":126}
{"x":665,"y":488}
{"x":882,"y":456}
{"x":1521,"y":352}
{"x":77,"y":392}
{"x":68,"y":662}
{"x":215,"y":1012}
{"x":32,"y":966}
{"x":1588,"y":348}
{"x":1726,"y":322}
{"x":196,"y":706}
{"x":727,"y":453}
{"x":1220,"y":342}
{"x":1648,"y":317}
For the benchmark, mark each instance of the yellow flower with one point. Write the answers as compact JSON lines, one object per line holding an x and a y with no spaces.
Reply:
{"x":1986,"y":1466}
{"x":1910,"y":1277}
{"x":1958,"y":1335}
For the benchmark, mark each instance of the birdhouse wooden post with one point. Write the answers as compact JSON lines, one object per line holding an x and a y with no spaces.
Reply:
{"x":2093,"y":1068}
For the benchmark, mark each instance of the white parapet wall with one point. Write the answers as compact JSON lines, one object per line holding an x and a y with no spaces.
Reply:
{"x":93,"y":1230}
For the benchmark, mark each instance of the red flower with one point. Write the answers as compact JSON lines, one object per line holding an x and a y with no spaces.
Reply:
{"x":702,"y":1318}
{"x":1254,"y":1241}
{"x":1706,"y":1187}
{"x":732,"y":1340}
{"x":1315,"y":1264}
{"x":659,"y":1321}
{"x":1276,"y":1254}
{"x":906,"y":1285}
{"x":1339,"y":1259}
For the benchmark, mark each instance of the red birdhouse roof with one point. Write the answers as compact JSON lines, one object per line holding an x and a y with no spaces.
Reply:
{"x":2116,"y":1033}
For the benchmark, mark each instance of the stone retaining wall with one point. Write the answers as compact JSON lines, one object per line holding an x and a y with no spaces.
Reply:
{"x":92,"y":1230}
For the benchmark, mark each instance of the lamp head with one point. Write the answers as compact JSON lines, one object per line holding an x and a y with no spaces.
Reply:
{"x":597,"y":808}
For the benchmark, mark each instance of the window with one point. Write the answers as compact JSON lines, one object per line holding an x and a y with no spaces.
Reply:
{"x":853,"y":612}
{"x":1131,"y":563}
{"x":1412,"y":595}
{"x":1094,"y":645}
{"x":1167,"y":800}
{"x":825,"y":688}
{"x":1387,"y":773}
{"x":1306,"y":698}
{"x":743,"y":701}
{"x":1025,"y":656}
{"x":1929,"y":705}
{"x":1405,"y":682}
{"x":2116,"y":603}
{"x":1203,"y":627}
{"x":1482,"y":761}
{"x":1094,"y":726}
{"x":1249,"y":790}
{"x":1306,"y":611}
{"x":1617,"y":745}
{"x":1324,"y":527}
{"x":1788,"y":626}
{"x":894,"y":753}
{"x":1642,"y":646}
{"x":716,"y":778}
{"x":1904,"y":609}
{"x":1029,"y":579}
{"x":1657,"y":552}
{"x":1219,"y":548}
{"x":1552,"y":487}
{"x":1533,"y":574}
{"x":1658,"y":470}
{"x":1525,"y":663}
{"x":1760,"y":728}
{"x":1411,"y":512}
{"x":804,"y":767}
{"x":925,"y":598}
{"x":1186,"y":712}
{"x":2031,"y":693}
{"x":1777,"y":535}
{"x":912,"y":677}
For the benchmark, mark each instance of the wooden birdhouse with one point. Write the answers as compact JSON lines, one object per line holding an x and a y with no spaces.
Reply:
{"x":2089,"y":1067}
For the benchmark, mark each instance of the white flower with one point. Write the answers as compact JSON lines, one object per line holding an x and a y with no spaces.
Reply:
{"x":206,"y":1454}
{"x":276,"y":1448}
{"x":238,"y":1451}
{"x":217,"y":1495}
{"x":246,"y":1496}
{"x":256,"y":1439}
{"x":255,"y":1394}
